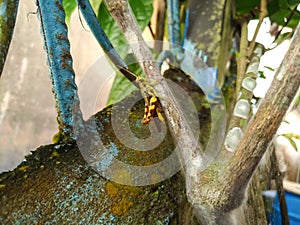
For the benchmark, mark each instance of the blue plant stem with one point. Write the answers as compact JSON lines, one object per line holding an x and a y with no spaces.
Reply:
{"x":91,"y":19}
{"x":57,"y":47}
{"x":8,"y":14}
{"x":173,"y":23}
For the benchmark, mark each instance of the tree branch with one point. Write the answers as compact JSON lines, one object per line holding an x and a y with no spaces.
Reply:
{"x":189,"y":151}
{"x":265,"y":123}
{"x":222,"y":188}
{"x":280,"y":191}
{"x":242,"y":60}
{"x":262,"y":14}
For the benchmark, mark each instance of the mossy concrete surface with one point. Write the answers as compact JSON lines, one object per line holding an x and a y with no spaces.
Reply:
{"x":56,"y":186}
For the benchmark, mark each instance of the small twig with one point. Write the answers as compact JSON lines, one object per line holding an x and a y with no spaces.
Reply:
{"x":242,"y":60}
{"x":31,"y":13}
{"x":80,"y":19}
{"x":262,"y":14}
{"x":151,"y":31}
{"x":286,"y":23}
{"x":189,"y":151}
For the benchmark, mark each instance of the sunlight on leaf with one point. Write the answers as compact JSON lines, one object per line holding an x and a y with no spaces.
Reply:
{"x":69,"y":6}
{"x":95,"y":5}
{"x":289,"y":137}
{"x":269,"y":68}
{"x":121,"y":86}
{"x":261,"y":74}
{"x":142,"y":11}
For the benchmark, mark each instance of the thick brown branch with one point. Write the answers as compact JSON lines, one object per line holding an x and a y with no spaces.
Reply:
{"x":222,"y":188}
{"x":265,"y":123}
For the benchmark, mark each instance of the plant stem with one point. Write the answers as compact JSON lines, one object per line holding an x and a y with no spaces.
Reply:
{"x":242,"y":60}
{"x":266,"y":121}
{"x":189,"y":151}
{"x":262,"y":14}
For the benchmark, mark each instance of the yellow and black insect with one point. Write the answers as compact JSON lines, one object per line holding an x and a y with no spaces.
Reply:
{"x":152,"y":110}
{"x":152,"y":104}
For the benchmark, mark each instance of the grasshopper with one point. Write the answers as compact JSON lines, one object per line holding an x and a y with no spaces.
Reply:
{"x":152,"y":104}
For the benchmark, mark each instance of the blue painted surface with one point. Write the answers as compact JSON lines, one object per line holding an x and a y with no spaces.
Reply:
{"x":91,"y":19}
{"x":173,"y":23}
{"x":293,"y":205}
{"x":3,"y":7}
{"x":186,"y":24}
{"x":57,"y":47}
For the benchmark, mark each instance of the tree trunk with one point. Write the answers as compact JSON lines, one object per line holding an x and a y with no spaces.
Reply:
{"x":225,"y":183}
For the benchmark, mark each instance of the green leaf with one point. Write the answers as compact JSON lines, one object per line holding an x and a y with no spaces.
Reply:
{"x":275,"y":5}
{"x":289,"y":137}
{"x":297,"y":100}
{"x":120,"y":89}
{"x":69,"y":6}
{"x":293,"y":22}
{"x":261,"y":74}
{"x":142,"y":10}
{"x":280,"y":16}
{"x":293,"y":3}
{"x":269,"y":68}
{"x":121,"y":86}
{"x":243,"y":7}
{"x":282,"y":37}
{"x":281,"y":10}
{"x":293,"y":143}
{"x":95,"y":5}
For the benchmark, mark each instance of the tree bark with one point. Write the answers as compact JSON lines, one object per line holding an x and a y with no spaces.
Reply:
{"x":224,"y":186}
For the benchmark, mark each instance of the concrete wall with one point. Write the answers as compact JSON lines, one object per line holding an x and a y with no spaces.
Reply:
{"x":27,"y":111}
